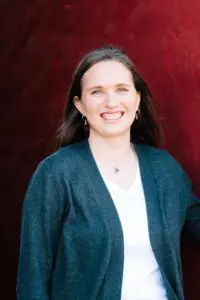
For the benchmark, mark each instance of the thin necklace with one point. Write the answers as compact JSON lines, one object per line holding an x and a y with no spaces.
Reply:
{"x":116,"y":170}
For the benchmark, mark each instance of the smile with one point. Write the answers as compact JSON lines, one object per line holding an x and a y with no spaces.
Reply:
{"x":112,"y":116}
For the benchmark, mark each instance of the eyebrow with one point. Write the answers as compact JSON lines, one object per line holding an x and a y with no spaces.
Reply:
{"x":101,"y":87}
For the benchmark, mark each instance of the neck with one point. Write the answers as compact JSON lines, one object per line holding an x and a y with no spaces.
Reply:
{"x":110,"y":149}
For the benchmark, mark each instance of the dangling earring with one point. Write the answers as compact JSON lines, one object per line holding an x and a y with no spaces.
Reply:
{"x":85,"y":121}
{"x":137,"y":114}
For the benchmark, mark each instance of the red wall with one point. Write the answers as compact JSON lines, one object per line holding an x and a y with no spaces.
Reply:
{"x":41,"y":42}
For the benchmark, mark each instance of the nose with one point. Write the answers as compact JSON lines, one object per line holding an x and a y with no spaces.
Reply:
{"x":111,"y":100}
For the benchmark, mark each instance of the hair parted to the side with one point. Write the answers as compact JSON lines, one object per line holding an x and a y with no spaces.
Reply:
{"x":144,"y":130}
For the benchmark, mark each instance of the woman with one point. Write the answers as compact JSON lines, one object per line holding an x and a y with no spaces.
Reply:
{"x":103,"y":215}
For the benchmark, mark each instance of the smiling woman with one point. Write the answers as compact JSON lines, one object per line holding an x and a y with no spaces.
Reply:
{"x":108,"y":97}
{"x":103,"y":215}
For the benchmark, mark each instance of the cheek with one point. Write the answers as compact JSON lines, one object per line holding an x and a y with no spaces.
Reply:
{"x":132,"y":103}
{"x":92,"y":105}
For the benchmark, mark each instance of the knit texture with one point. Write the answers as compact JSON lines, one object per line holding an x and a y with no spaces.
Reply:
{"x":71,"y":237}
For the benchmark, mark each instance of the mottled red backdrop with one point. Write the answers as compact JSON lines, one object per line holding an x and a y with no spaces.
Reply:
{"x":41,"y":42}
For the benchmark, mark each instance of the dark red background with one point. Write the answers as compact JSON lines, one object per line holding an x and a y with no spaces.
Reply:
{"x":41,"y":42}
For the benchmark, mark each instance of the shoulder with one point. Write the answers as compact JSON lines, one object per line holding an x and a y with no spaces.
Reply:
{"x":167,"y":172}
{"x":61,"y":161}
{"x":161,"y":160}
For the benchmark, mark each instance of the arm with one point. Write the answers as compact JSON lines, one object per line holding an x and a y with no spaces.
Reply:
{"x":192,"y":223}
{"x":42,"y":215}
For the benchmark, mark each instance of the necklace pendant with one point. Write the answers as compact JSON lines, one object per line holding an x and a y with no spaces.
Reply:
{"x":116,"y":170}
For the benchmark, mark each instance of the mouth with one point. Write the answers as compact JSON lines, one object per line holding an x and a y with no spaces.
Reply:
{"x":112,"y":115}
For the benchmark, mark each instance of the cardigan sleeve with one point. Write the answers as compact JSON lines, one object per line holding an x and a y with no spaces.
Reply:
{"x":43,"y":211}
{"x":192,"y":223}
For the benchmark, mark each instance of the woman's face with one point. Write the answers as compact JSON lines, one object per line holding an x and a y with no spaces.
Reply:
{"x":109,"y":99}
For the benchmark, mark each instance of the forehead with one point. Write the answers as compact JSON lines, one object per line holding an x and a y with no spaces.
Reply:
{"x":107,"y":72}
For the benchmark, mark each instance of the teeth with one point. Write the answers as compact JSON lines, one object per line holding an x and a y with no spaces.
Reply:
{"x":112,"y":116}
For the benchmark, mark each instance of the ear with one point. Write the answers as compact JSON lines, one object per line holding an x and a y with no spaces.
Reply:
{"x":78,"y":104}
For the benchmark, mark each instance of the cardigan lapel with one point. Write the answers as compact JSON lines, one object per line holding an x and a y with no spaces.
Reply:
{"x":154,"y":214}
{"x":105,"y":200}
{"x":158,"y":230}
{"x":109,"y":213}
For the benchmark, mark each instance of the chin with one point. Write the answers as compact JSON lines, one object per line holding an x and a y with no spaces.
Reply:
{"x":115,"y":133}
{"x":110,"y":131}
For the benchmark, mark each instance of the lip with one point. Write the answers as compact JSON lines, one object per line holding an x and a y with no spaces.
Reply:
{"x":114,"y":115}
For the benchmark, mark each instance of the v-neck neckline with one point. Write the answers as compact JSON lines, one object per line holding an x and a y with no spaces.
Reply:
{"x":88,"y":155}
{"x":120,"y":188}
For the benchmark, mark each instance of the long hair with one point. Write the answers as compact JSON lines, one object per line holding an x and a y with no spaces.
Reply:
{"x":145,"y":130}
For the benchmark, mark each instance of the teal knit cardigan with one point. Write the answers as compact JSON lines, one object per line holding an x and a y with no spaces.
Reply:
{"x":71,"y":237}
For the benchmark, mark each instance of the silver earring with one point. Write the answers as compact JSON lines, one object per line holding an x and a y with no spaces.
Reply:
{"x":137,"y":114}
{"x":85,"y":121}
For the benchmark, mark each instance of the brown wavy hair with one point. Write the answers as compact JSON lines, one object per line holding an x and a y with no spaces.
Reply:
{"x":145,"y":130}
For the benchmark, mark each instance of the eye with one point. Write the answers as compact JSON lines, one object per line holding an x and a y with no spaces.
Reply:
{"x":96,"y":92}
{"x":122,"y":90}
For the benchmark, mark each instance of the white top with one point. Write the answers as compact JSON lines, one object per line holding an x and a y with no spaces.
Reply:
{"x":142,"y":279}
